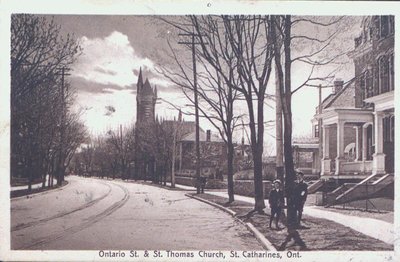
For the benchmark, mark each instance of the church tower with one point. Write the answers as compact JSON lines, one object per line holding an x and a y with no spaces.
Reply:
{"x":146,"y":98}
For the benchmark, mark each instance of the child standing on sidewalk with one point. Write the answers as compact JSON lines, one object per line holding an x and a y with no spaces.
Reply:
{"x":276,"y":203}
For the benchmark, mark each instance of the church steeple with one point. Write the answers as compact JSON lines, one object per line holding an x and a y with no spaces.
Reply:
{"x":145,"y":100}
{"x":140,"y":80}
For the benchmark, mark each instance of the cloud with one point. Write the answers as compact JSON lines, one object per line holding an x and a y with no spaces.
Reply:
{"x":110,"y":61}
{"x":83,"y":85}
{"x":104,"y":111}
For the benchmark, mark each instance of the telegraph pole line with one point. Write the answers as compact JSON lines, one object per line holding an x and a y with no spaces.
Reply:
{"x":60,"y":165}
{"x":196,"y":105}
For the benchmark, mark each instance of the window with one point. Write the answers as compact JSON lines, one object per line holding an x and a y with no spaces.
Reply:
{"x":362,"y":88}
{"x":388,"y":129}
{"x":366,"y":86}
{"x":384,"y":26}
{"x":362,"y":84}
{"x":350,"y":152}
{"x":391,"y":72}
{"x":316,"y":131}
{"x":383,"y":67}
{"x":385,"y":129}
{"x":392,"y":128}
{"x":369,"y":84}
{"x":391,"y":24}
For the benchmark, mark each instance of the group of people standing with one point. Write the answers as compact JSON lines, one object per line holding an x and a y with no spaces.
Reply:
{"x":298,"y":198}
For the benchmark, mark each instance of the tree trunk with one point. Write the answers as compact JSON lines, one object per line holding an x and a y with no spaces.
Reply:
{"x":258,"y":183}
{"x":284,"y":81}
{"x":279,"y":140}
{"x":259,"y":204}
{"x":28,"y":169}
{"x":230,"y":170}
{"x":289,"y":167}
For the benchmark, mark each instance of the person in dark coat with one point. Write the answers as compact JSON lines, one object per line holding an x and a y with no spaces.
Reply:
{"x":300,"y":192}
{"x":276,"y":203}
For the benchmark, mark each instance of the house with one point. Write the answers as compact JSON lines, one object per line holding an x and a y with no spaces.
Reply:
{"x":212,"y":154}
{"x":306,"y":156}
{"x":358,"y":117}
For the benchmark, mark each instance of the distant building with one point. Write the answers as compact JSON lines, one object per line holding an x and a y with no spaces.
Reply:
{"x":306,"y":156}
{"x":146,"y":98}
{"x":212,"y":150}
{"x":358,"y":117}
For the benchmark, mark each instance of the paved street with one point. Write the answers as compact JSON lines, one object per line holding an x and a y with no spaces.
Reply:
{"x":103,"y":214}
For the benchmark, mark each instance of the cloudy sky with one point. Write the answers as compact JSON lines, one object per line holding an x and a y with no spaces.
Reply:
{"x":115,"y":47}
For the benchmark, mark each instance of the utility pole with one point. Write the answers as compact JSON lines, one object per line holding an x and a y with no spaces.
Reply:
{"x":196,"y":106}
{"x":122,"y":153}
{"x":60,"y":165}
{"x":320,"y":125}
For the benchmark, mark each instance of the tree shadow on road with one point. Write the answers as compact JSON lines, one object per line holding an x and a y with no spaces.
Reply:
{"x":293,"y":241}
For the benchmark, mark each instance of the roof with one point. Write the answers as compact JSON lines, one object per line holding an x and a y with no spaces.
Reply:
{"x":306,"y":143}
{"x":306,"y":140}
{"x":192,"y":137}
{"x":185,"y":127}
{"x":343,"y":98}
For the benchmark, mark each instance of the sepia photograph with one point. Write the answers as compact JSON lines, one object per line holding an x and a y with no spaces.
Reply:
{"x":226,"y":136}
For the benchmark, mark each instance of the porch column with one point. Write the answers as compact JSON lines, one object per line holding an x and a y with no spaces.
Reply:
{"x":339,"y":146}
{"x":357,"y":128}
{"x":364,"y":142}
{"x":364,"y":145}
{"x":325,"y":161}
{"x":378,"y":163}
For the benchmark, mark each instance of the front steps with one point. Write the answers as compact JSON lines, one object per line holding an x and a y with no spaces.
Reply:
{"x":371,"y":187}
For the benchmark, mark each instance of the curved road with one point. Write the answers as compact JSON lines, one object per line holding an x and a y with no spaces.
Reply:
{"x":94,"y":214}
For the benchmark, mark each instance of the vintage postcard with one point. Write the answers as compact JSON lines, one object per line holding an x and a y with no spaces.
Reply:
{"x":199,"y":131}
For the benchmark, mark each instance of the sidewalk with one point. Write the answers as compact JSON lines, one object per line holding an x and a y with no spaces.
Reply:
{"x":365,"y":225}
{"x":34,"y":186}
{"x":328,"y":230}
{"x":320,"y":233}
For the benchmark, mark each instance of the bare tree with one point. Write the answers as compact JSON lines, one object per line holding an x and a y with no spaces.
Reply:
{"x":216,"y":98}
{"x":284,"y":48}
{"x":38,"y":51}
{"x":121,"y":144}
{"x":237,"y":49}
{"x":250,"y":40}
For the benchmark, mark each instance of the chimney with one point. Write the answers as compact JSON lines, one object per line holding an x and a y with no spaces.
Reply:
{"x":208,"y":137}
{"x":337,"y":85}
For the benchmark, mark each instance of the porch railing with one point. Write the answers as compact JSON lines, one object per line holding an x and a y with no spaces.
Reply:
{"x":356,"y":167}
